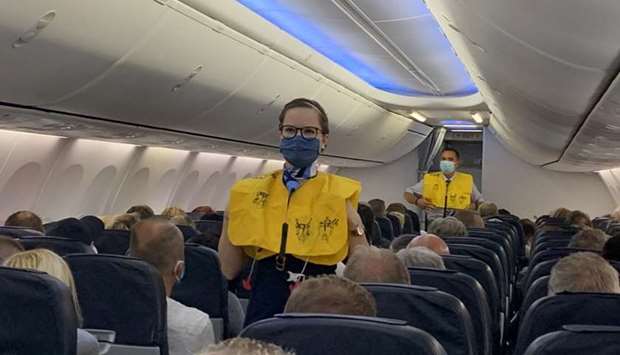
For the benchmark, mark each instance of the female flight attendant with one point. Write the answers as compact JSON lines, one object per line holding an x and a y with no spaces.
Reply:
{"x":292,"y":223}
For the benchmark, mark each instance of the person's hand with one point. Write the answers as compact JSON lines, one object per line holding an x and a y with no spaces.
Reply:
{"x":424,"y":203}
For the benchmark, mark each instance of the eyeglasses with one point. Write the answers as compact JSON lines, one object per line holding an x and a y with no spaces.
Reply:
{"x":306,"y":132}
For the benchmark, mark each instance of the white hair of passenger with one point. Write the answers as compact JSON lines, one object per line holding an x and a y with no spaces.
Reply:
{"x":583,"y":272}
{"x":448,"y":227}
{"x":421,"y":257}
{"x":246,"y":346}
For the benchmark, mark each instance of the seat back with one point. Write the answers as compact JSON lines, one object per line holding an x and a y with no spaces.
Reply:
{"x":466,"y":289}
{"x":549,"y":314}
{"x":321,"y":334}
{"x":550,"y":243}
{"x":203,"y":286}
{"x":188,"y":232}
{"x":396,"y":229}
{"x":386,"y":228}
{"x":415,"y":221}
{"x":60,"y":246}
{"x":440,"y":314}
{"x":122,"y":294}
{"x":211,"y":226}
{"x":480,"y":271}
{"x":18,"y":232}
{"x":553,"y":253}
{"x":540,"y":270}
{"x":537,"y":290}
{"x":487,"y":244}
{"x":37,"y":314}
{"x":578,"y":340}
{"x":408,"y":227}
{"x":502,"y":240}
{"x":113,"y":241}
{"x":487,"y":256}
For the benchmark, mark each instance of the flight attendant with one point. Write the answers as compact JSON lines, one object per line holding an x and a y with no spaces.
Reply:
{"x":293,"y":223}
{"x":447,"y":189}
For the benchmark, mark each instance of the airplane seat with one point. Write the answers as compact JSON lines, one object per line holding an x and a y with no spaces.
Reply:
{"x":188,"y":232}
{"x":122,"y":294}
{"x":440,"y":314}
{"x":537,"y":290}
{"x":18,"y":232}
{"x":376,"y":231}
{"x":387,"y":231}
{"x":113,"y":241}
{"x":211,"y":226}
{"x":480,"y":271}
{"x":500,"y":239}
{"x":540,"y":270}
{"x":550,"y":243}
{"x":554,"y":253}
{"x":415,"y":220}
{"x":38,"y":316}
{"x":321,"y":334}
{"x":470,"y":292}
{"x":204,"y":286}
{"x":550,"y":313}
{"x":213,"y":217}
{"x":578,"y":339}
{"x":60,"y":246}
{"x":487,"y":256}
{"x":507,"y":231}
{"x":408,"y":226}
{"x":396,"y":229}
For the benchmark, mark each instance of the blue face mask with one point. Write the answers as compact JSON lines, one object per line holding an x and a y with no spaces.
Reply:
{"x":447,"y":167}
{"x":300,"y":152}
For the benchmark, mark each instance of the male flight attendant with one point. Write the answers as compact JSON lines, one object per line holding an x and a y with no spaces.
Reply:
{"x":447,"y":189}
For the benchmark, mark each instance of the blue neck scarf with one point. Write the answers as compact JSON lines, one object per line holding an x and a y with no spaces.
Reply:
{"x":293,"y":177}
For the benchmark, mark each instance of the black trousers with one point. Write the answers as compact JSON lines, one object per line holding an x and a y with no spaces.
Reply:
{"x":270,"y":290}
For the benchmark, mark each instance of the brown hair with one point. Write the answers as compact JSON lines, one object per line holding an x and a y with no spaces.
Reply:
{"x":25,"y":219}
{"x":307,"y":103}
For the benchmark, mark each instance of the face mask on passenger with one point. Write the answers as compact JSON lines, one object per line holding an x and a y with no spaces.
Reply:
{"x":447,"y":167}
{"x":299,"y":151}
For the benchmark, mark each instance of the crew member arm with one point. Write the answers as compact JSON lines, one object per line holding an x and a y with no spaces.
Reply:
{"x":232,"y":257}
{"x":354,"y":221}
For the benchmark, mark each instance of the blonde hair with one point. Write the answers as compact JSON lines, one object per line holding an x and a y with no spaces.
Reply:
{"x":245,"y":346}
{"x":50,"y":263}
{"x":170,"y":212}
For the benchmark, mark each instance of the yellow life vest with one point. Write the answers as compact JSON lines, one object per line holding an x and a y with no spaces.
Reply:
{"x":316,"y":215}
{"x":459,"y":190}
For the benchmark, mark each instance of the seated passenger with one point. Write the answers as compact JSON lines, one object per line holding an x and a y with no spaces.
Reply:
{"x":469,"y":218}
{"x":397,"y":207}
{"x":123,"y":222}
{"x":72,"y":228}
{"x":182,"y":220}
{"x":331,"y":295}
{"x":431,"y":242}
{"x":592,"y":239}
{"x":611,"y":250}
{"x":170,"y":212}
{"x":448,"y":227}
{"x":9,"y":247}
{"x":25,"y":219}
{"x":578,"y":218}
{"x":368,"y":219}
{"x":487,"y":209}
{"x":94,"y":225}
{"x":203,"y":210}
{"x":561,"y":213}
{"x":378,"y":207}
{"x":246,"y":346}
{"x":529,"y":231}
{"x":49,"y":262}
{"x":401,"y":242}
{"x":371,"y":264}
{"x":160,"y":243}
{"x":421,"y":257}
{"x":583,"y":272}
{"x":141,"y":211}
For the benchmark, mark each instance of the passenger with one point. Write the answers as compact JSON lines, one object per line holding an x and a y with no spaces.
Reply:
{"x":529,"y":231}
{"x":583,"y":272}
{"x":124,"y":222}
{"x":401,"y":242}
{"x":331,"y":295}
{"x":9,"y":247}
{"x":448,"y":227}
{"x":183,"y":220}
{"x":487,"y":209}
{"x":170,"y":212}
{"x":431,"y":242}
{"x":246,"y":346}
{"x":25,"y":219}
{"x":94,"y":225}
{"x":372,"y":264}
{"x":313,"y":239}
{"x":397,"y":207}
{"x":611,"y":250}
{"x":578,"y":218}
{"x":160,"y":243}
{"x":203,"y":210}
{"x":592,"y":239}
{"x":72,"y":228}
{"x":561,"y":213}
{"x":431,"y":192}
{"x":54,"y":265}
{"x":470,"y":219}
{"x":421,"y":257}
{"x":141,"y":211}
{"x":378,"y":207}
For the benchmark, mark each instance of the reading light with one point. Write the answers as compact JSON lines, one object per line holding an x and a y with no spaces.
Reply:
{"x":477,"y":117}
{"x":418,"y":116}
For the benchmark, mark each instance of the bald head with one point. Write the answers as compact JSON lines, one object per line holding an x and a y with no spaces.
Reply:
{"x":371,"y":264}
{"x":160,"y":243}
{"x":431,"y":242}
{"x":25,"y":219}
